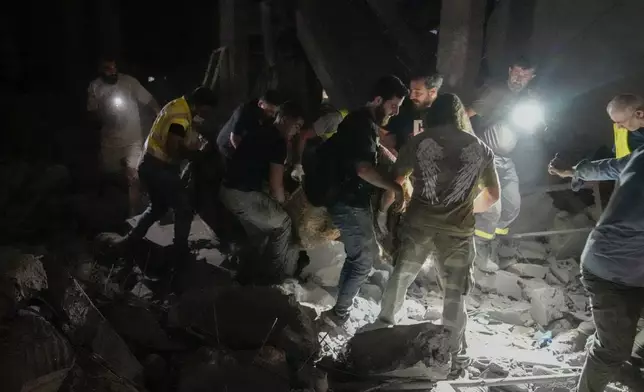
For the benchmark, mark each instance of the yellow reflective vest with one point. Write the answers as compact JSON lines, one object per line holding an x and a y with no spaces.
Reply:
{"x":622,"y":148}
{"x":175,"y":112}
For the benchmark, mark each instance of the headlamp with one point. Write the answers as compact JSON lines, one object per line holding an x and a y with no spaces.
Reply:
{"x":528,"y":115}
{"x":117,"y":101}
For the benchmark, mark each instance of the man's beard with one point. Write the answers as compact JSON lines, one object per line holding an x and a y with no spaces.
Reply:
{"x":420,"y":105}
{"x":110,"y":79}
{"x":382,"y":118}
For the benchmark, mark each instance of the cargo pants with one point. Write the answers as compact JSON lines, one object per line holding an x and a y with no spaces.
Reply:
{"x":453,"y":258}
{"x":498,"y":218}
{"x":616,"y":310}
{"x":269,"y":229}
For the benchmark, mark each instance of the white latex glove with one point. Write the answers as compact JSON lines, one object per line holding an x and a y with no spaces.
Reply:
{"x":381,"y":220}
{"x":298,"y":173}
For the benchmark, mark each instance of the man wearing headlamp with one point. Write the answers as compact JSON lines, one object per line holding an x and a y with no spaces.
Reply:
{"x":494,"y":114}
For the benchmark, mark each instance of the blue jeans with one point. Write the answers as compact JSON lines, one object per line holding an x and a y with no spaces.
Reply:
{"x":357,"y":235}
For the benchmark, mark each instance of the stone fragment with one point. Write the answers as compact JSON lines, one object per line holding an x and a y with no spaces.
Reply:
{"x":552,"y":280}
{"x":587,"y":327}
{"x":34,"y":356}
{"x":547,"y":304}
{"x":533,"y":250}
{"x":21,"y":277}
{"x":507,"y":284}
{"x":419,"y":347}
{"x":568,"y":342}
{"x":565,"y":270}
{"x":526,"y":270}
{"x":517,"y":314}
{"x":485,"y":281}
{"x":579,"y":302}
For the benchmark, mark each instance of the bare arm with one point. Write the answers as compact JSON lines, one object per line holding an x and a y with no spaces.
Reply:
{"x":276,"y":182}
{"x":491,"y":190}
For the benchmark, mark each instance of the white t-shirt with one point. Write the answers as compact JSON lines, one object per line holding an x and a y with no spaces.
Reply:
{"x":117,"y":107}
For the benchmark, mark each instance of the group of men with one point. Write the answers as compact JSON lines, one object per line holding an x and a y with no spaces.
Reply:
{"x":465,"y":193}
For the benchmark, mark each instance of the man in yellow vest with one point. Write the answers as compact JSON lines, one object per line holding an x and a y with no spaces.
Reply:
{"x":627,"y":111}
{"x":172,"y":140}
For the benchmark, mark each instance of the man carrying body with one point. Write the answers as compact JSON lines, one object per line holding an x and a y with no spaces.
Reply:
{"x":490,"y":114}
{"x":448,"y":164}
{"x":246,"y":119}
{"x":113,"y":98}
{"x":172,"y":139}
{"x":322,"y":129}
{"x":424,"y":89}
{"x":260,"y":159}
{"x":351,"y":154}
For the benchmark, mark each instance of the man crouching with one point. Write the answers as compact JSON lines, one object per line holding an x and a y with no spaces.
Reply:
{"x":260,"y":159}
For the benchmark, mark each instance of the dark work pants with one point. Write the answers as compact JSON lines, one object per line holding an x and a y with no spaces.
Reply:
{"x":167,"y":191}
{"x":359,"y":239}
{"x":616,"y":310}
{"x":497,"y":219}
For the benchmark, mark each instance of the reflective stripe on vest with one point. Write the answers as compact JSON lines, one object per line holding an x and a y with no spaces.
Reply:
{"x":621,"y":141}
{"x":175,"y":112}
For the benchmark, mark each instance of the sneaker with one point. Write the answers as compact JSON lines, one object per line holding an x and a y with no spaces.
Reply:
{"x":331,"y":318}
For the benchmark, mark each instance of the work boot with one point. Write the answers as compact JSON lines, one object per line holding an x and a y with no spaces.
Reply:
{"x":486,"y":257}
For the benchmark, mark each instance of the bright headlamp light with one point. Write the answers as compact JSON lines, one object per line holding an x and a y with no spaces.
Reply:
{"x":528,"y":116}
{"x":118,"y":102}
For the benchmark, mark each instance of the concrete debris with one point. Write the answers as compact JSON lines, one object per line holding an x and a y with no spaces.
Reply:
{"x":85,"y":325}
{"x":507,"y":284}
{"x":533,"y":250}
{"x":90,"y":374}
{"x":518,"y":314}
{"x":568,"y":342}
{"x":21,"y":277}
{"x":138,"y":325}
{"x":578,"y":302}
{"x":419,"y":347}
{"x":529,"y":270}
{"x":587,"y":327}
{"x":269,"y":317}
{"x":565,"y":270}
{"x":34,"y":356}
{"x":379,"y":278}
{"x":548,"y":304}
{"x":308,"y":294}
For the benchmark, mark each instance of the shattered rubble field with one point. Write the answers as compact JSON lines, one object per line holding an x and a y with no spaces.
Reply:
{"x":79,"y":319}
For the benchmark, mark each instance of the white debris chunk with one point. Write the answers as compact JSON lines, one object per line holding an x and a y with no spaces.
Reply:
{"x":547,"y":304}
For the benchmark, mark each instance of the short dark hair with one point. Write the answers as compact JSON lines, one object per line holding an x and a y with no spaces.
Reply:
{"x":431,"y":79}
{"x":273,"y":97}
{"x":388,"y":87}
{"x":203,"y":96}
{"x":523,"y":62}
{"x":290,"y":109}
{"x":448,"y":109}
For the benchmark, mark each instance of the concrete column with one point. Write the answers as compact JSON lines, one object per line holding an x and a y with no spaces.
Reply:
{"x":460,"y":43}
{"x":234,"y":68}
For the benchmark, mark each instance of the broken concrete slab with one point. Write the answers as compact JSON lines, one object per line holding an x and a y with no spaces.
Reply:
{"x":533,"y":250}
{"x":326,"y":262}
{"x":21,"y":277}
{"x":420,"y":347}
{"x":34,"y":356}
{"x":548,"y":304}
{"x":507,"y":284}
{"x":565,"y":270}
{"x":568,"y":342}
{"x":526,"y":270}
{"x":517,"y":314}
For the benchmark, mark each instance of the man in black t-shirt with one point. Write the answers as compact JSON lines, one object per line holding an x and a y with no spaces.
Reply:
{"x":246,"y":119}
{"x":259,"y":160}
{"x":424,"y":89}
{"x":354,"y":148}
